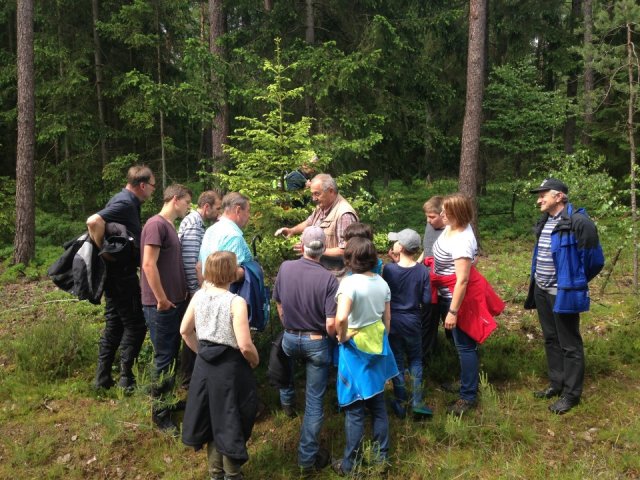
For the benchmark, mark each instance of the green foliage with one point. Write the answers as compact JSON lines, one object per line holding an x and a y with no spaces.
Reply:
{"x":70,"y":346}
{"x":584,"y":172}
{"x":522,"y":116}
{"x":37,"y":268}
{"x":7,"y":210}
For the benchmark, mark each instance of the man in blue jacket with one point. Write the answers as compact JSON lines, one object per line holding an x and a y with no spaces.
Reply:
{"x":566,"y":257}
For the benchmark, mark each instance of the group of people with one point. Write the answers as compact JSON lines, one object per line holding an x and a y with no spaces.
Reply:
{"x":337,"y":304}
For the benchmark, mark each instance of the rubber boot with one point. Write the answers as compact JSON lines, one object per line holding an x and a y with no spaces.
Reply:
{"x":103,"y":375}
{"x":127,"y":378}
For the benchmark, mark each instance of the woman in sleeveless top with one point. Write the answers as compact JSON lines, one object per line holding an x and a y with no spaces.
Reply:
{"x":222,"y":402}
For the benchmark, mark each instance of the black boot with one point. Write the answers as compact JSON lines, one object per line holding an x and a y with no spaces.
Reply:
{"x":127,"y":379}
{"x":103,"y":375}
{"x":162,"y":419}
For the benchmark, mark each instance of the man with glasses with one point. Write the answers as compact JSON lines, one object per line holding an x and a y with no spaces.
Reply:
{"x":567,"y":255}
{"x":124,"y":322}
{"x":333,"y":214}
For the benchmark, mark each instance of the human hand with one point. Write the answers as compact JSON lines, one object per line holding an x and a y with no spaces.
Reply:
{"x":284,"y":231}
{"x":395,"y":257}
{"x":297,"y":248}
{"x":450,"y":321}
{"x":164,"y":305}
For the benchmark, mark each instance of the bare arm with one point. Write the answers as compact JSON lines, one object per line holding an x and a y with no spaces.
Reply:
{"x":331,"y":326}
{"x":334,"y":252}
{"x":96,"y":226}
{"x":463,"y":270}
{"x":150,"y":268}
{"x":342,"y":317}
{"x":188,"y":328}
{"x":280,"y":312}
{"x":242,"y":333}
{"x":199,"y":275}
{"x":288,"y":232}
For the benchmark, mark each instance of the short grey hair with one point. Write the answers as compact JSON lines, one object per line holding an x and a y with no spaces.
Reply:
{"x":327,"y":182}
{"x":233,"y":199}
{"x":314,"y":250}
{"x":563,"y":196}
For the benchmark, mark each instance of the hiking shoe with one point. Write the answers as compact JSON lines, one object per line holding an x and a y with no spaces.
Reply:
{"x":289,"y":411}
{"x":422,"y":411}
{"x":563,"y":405}
{"x":337,"y":468}
{"x":461,"y":406}
{"x":399,"y":410}
{"x":547,"y":393}
{"x":321,"y":461}
{"x":163,"y":421}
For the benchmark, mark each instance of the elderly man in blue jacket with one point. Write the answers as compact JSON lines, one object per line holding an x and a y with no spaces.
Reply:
{"x":566,"y":257}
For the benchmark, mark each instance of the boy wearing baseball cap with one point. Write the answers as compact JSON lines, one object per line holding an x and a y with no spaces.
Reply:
{"x":410,"y":288}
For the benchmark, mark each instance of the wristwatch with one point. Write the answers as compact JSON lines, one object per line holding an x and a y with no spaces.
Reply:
{"x":453,"y":312}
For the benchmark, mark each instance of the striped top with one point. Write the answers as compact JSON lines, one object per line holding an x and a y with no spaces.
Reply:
{"x":545,"y":274}
{"x":449,"y":248}
{"x":190,"y":234}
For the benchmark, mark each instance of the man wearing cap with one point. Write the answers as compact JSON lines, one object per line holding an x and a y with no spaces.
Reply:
{"x":410,"y":289}
{"x":304,"y":293}
{"x":333,"y":214}
{"x":567,"y":255}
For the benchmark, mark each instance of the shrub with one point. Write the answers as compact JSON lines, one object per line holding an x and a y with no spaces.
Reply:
{"x":55,"y":348}
{"x":7,"y":210}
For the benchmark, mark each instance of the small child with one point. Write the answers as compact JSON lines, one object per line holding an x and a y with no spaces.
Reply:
{"x":410,"y":289}
{"x":362,"y":230}
{"x":366,"y":361}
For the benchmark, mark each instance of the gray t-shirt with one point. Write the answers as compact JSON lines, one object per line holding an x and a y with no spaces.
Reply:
{"x":430,"y":237}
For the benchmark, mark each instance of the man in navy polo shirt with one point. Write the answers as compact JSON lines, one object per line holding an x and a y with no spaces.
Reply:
{"x":305,"y":297}
{"x":125,"y":326}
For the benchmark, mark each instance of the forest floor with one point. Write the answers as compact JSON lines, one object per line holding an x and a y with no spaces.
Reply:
{"x":54,"y":425}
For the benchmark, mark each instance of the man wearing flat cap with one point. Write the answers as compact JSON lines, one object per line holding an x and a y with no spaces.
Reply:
{"x":567,"y":255}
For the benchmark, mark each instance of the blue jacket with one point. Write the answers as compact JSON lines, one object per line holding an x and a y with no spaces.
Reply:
{"x":256,"y":294}
{"x":577,"y":256}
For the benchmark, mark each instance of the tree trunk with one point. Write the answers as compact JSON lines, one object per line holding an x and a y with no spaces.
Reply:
{"x":310,"y":38}
{"x":476,"y":61}
{"x":632,"y":152}
{"x":587,"y":13}
{"x":97,"y":58}
{"x":268,"y":5}
{"x":572,"y":84}
{"x":220,"y":127}
{"x":25,"y":160}
{"x":163,"y":159}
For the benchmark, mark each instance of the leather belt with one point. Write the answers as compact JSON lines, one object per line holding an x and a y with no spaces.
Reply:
{"x":304,"y":332}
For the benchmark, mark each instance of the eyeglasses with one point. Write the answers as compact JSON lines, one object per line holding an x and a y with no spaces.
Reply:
{"x":151,"y":184}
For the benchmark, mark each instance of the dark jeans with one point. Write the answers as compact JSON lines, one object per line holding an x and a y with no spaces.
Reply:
{"x":164,"y":330}
{"x":410,"y":347}
{"x":354,"y":429}
{"x":562,"y":345}
{"x":124,"y":322}
{"x":432,"y":316}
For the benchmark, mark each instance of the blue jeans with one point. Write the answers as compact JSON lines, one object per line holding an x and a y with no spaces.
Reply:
{"x":469,"y":364}
{"x":411,"y":347}
{"x":354,"y":429}
{"x":164,"y":330}
{"x":317,"y":357}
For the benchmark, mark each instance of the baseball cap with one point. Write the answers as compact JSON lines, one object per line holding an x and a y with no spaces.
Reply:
{"x":551,"y":184}
{"x":313,"y":239}
{"x":408,"y":238}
